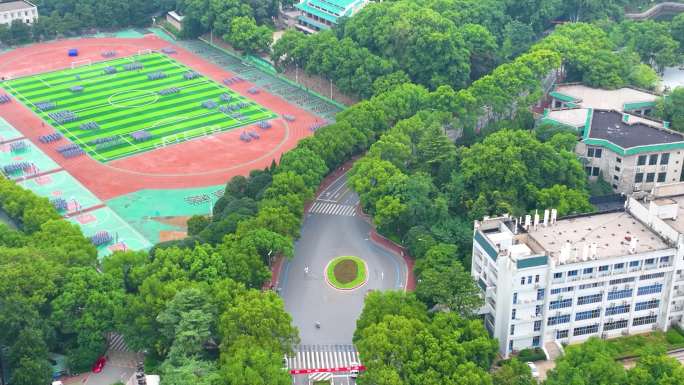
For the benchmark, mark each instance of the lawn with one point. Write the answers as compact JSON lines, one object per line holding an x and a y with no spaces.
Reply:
{"x":346,"y":272}
{"x":637,"y":344}
{"x":128,"y":102}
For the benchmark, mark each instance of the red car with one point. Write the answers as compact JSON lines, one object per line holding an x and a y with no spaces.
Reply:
{"x":99,"y":364}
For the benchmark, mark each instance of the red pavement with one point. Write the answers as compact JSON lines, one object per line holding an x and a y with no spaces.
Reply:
{"x":200,"y":162}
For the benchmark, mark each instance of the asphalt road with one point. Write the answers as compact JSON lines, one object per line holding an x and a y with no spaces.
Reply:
{"x":330,"y":230}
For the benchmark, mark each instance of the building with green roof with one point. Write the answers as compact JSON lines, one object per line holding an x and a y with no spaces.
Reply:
{"x":317,"y":15}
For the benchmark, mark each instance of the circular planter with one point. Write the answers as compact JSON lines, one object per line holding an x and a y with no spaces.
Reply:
{"x":346,"y":273}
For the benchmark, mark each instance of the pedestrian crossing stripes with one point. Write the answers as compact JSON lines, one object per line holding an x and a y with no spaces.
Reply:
{"x":117,"y":343}
{"x":323,"y":357}
{"x":333,"y":209}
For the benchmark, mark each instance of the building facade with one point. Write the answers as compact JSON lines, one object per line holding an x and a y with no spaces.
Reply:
{"x":18,"y":10}
{"x":317,"y":15}
{"x":548,"y":282}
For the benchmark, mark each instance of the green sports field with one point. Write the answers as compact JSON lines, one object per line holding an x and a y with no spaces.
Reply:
{"x":127,"y":101}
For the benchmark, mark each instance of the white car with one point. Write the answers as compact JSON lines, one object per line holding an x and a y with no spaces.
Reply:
{"x":533,"y":368}
{"x":354,"y":373}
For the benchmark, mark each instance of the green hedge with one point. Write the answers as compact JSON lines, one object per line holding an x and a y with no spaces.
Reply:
{"x":535,"y":354}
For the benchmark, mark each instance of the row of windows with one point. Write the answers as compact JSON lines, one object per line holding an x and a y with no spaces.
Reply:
{"x":529,"y":279}
{"x":649,"y":319}
{"x":589,"y":299}
{"x":622,"y":280}
{"x":650,"y":177}
{"x":594,"y":152}
{"x":652,"y":304}
{"x":619,"y":294}
{"x":617,"y":309}
{"x":582,"y":330}
{"x":562,"y":289}
{"x":591,"y":285}
{"x":653,"y":159}
{"x":588,"y":314}
{"x":652,"y":276}
{"x":651,"y":289}
{"x":559,"y":304}
{"x":617,"y":266}
{"x":559,"y":319}
{"x":615,"y":325}
{"x":592,"y":171}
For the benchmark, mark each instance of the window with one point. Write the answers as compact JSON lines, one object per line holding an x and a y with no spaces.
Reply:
{"x":515,"y":297}
{"x":634,"y":263}
{"x":535,"y":341}
{"x":512,"y":329}
{"x":529,"y":279}
{"x":651,"y":289}
{"x":560,"y":303}
{"x":536,"y":278}
{"x":587,"y":170}
{"x":561,"y":334}
{"x":615,"y":325}
{"x":590,"y":152}
{"x":649,"y":319}
{"x":651,"y":276}
{"x":641,"y":160}
{"x":618,"y":294}
{"x":580,"y":331}
{"x":588,"y":270}
{"x":595,"y":171}
{"x":510,"y":346}
{"x":615,"y":177}
{"x":537,"y":326}
{"x":522,"y":280}
{"x":664,"y":158}
{"x":619,"y":160}
{"x":559,"y":319}
{"x":652,"y":304}
{"x":650,"y":177}
{"x":603,"y":268}
{"x":557,"y":275}
{"x":589,"y":299}
{"x":617,"y":169}
{"x":572,"y":273}
{"x":597,"y":153}
{"x":661,"y":176}
{"x":653,"y":159}
{"x":590,"y":285}
{"x":649,"y":261}
{"x":621,"y":280}
{"x":513,"y":313}
{"x":540,"y":294}
{"x":665,"y":259}
{"x":587,"y":314}
{"x":617,"y":310}
{"x":618,"y":265}
{"x":639,"y":177}
{"x":537,"y":310}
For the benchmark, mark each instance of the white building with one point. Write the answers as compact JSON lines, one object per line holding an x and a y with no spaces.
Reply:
{"x":547,"y":281}
{"x":18,"y":10}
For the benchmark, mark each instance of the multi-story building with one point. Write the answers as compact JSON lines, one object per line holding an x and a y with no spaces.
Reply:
{"x":18,"y":10}
{"x":317,"y":15}
{"x":619,"y":142}
{"x":546,"y":282}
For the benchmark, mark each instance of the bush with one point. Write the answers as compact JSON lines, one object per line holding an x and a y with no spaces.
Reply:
{"x":675,"y":336}
{"x":535,"y":354}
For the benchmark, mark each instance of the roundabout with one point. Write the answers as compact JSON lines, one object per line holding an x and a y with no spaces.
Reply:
{"x":346,"y":273}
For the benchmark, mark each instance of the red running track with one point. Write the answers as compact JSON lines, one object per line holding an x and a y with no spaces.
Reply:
{"x":200,"y":162}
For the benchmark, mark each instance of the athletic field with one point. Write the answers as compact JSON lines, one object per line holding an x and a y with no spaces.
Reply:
{"x":125,"y":113}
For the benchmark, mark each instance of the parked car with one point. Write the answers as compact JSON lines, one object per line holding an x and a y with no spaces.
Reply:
{"x":533,"y":368}
{"x":99,"y":364}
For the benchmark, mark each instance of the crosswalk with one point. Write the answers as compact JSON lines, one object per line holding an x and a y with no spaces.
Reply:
{"x":323,"y":357}
{"x":326,"y":208}
{"x":116,"y":343}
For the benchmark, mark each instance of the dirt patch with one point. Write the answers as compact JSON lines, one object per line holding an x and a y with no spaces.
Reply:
{"x":179,"y":221}
{"x":168,"y":235}
{"x":346,"y":271}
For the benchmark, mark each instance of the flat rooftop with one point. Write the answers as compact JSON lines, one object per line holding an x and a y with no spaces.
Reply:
{"x":609,"y":125}
{"x":677,"y":224}
{"x":15,"y":5}
{"x":605,"y":99}
{"x":610,"y":231}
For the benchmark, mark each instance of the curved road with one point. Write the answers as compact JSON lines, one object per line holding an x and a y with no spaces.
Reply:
{"x":332,"y":228}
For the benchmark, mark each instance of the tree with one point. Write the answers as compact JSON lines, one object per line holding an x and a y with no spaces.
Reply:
{"x":671,"y":108}
{"x":246,"y":36}
{"x":565,"y":200}
{"x":197,"y":223}
{"x":379,"y":304}
{"x":189,"y":371}
{"x":677,"y":29}
{"x":513,"y":372}
{"x":20,"y":33}
{"x":31,"y":371}
{"x":452,"y":287}
{"x":186,"y":323}
{"x":585,"y":364}
{"x":246,"y":362}
{"x":261,"y":316}
{"x":656,"y":369}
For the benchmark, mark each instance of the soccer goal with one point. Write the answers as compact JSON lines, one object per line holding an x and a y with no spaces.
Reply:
{"x":144,"y":52}
{"x":81,"y":63}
